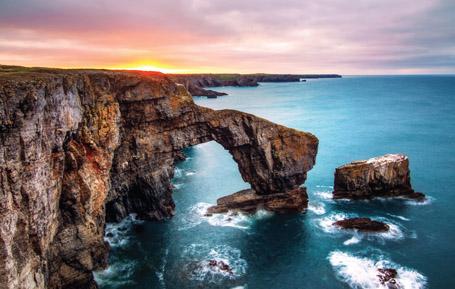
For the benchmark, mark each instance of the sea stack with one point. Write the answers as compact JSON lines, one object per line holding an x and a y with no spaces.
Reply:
{"x":384,"y":176}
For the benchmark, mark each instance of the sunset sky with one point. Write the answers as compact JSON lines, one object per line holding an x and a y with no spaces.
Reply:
{"x":285,"y":36}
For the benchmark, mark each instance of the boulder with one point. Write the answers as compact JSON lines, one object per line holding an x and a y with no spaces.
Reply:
{"x":384,"y":176}
{"x":362,"y":224}
{"x":387,"y":277}
{"x":248,"y":201}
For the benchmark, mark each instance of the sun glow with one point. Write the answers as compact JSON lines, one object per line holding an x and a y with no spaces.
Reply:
{"x":153,"y":68}
{"x":149,"y":66}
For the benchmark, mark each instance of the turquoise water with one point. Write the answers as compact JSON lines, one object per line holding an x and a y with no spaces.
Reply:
{"x":354,"y":118}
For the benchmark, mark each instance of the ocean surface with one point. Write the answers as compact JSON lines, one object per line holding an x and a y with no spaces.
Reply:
{"x":354,"y":118}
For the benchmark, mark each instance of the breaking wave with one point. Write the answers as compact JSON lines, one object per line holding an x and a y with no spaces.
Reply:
{"x":199,"y":257}
{"x":362,"y":273}
{"x":196,"y":215}
{"x":317,"y":208}
{"x":119,"y":234}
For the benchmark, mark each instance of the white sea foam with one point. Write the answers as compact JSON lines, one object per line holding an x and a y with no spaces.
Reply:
{"x":189,"y":173}
{"x":324,"y":187}
{"x":399,"y":217}
{"x":353,"y":240}
{"x":119,"y":234}
{"x":427,"y":201}
{"x":361,"y":273}
{"x":177,"y":173}
{"x":237,"y":219}
{"x":198,"y":257}
{"x":118,"y":274}
{"x":326,"y":224}
{"x":324,"y":195}
{"x":197,"y":214}
{"x":177,"y":186}
{"x":160,"y":273}
{"x":318,"y":208}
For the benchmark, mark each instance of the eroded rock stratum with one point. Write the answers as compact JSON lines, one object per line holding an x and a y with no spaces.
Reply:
{"x":79,"y":147}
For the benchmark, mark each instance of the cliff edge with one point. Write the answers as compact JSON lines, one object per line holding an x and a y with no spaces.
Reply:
{"x":79,"y":147}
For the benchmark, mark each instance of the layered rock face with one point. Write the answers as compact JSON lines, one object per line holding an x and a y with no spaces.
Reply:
{"x":384,"y":176}
{"x":78,"y":147}
{"x":249,"y":201}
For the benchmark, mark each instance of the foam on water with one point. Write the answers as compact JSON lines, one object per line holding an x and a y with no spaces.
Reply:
{"x":198,"y":256}
{"x":361,"y":273}
{"x":353,"y":240}
{"x":119,"y":234}
{"x":428,"y":200}
{"x":116,"y":275}
{"x":317,"y":208}
{"x":189,"y":173}
{"x":177,"y":186}
{"x":196,"y":215}
{"x":160,"y":273}
{"x":324,"y":187}
{"x":399,"y":217}
{"x":177,"y":173}
{"x":324,"y":195}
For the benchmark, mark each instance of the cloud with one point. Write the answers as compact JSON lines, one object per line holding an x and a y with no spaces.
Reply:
{"x":363,"y":36}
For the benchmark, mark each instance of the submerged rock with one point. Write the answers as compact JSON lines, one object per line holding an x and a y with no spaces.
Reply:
{"x":384,"y":176}
{"x":221,"y":266}
{"x":249,"y":201}
{"x":362,"y":224}
{"x":387,"y":277}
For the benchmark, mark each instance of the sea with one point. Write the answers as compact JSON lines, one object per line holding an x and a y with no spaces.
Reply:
{"x":355,"y":118}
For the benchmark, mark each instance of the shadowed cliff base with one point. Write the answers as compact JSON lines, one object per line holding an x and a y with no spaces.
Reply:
{"x":78,"y":146}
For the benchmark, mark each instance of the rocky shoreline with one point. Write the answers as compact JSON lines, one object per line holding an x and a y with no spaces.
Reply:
{"x":196,"y":84}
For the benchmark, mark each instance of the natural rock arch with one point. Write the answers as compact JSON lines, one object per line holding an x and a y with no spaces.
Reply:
{"x":78,"y":142}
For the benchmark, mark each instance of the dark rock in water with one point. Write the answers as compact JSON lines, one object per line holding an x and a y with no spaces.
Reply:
{"x":212,"y":96}
{"x":384,"y":176}
{"x":221,"y":266}
{"x":418,"y":196}
{"x":249,"y":201}
{"x":362,"y":224}
{"x":387,"y":277}
{"x":179,"y":156}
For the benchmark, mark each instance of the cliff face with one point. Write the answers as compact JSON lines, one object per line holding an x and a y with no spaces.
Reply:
{"x":384,"y":176}
{"x":78,"y":147}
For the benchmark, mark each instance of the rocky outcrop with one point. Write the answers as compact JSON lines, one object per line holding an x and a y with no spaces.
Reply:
{"x":195,"y":83}
{"x":79,"y":147}
{"x":384,"y":176}
{"x":362,"y":224}
{"x":387,"y":277}
{"x":249,"y":201}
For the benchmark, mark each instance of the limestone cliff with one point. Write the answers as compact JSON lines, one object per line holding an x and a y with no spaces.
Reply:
{"x":77,"y":147}
{"x":383,"y":176}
